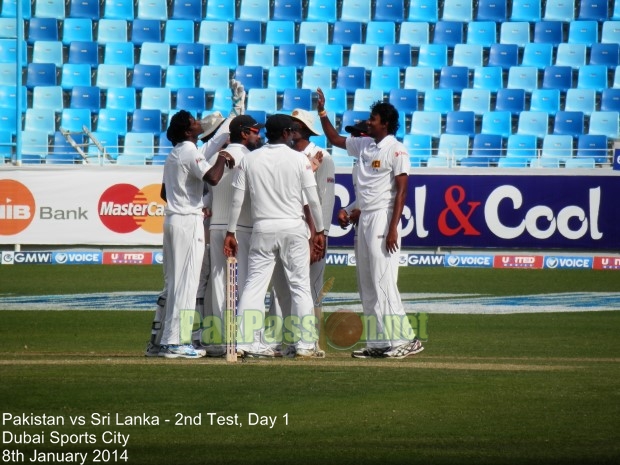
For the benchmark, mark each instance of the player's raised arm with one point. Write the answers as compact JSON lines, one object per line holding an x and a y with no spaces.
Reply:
{"x":328,"y":128}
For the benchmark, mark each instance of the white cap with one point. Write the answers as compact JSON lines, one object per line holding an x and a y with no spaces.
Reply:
{"x":210,"y":123}
{"x":305,"y":117}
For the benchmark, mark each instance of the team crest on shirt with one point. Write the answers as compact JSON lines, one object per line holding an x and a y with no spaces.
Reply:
{"x":376,"y":164}
{"x":397,"y":154}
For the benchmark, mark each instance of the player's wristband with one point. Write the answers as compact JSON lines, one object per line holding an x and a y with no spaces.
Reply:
{"x":322,"y":114}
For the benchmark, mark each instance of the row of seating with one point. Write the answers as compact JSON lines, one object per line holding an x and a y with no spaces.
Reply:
{"x":321,"y":10}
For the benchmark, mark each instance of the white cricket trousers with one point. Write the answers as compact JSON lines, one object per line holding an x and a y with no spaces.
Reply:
{"x":385,"y":320}
{"x":183,"y":248}
{"x":293,"y":249}
{"x":218,"y":275}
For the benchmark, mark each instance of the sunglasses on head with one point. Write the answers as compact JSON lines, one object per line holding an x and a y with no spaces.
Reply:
{"x":251,"y":129}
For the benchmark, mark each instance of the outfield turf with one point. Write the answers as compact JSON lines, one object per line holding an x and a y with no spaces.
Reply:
{"x":488,"y":389}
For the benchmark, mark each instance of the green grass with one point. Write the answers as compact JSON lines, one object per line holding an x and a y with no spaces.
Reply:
{"x":488,"y":389}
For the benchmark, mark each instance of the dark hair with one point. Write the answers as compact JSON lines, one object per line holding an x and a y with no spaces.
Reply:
{"x":387,"y":114}
{"x":276,"y":124}
{"x":179,"y":124}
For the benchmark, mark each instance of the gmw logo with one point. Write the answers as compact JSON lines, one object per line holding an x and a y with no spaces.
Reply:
{"x":17,"y":207}
{"x":123,"y":208}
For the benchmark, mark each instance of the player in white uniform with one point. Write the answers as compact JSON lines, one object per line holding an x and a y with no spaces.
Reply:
{"x":303,"y":129}
{"x":381,"y":179}
{"x":185,"y":172}
{"x":277,"y":178}
{"x":244,"y":137}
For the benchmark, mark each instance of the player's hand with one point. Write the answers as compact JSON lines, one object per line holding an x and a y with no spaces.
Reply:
{"x":391,"y":241}
{"x":343,"y":218}
{"x":207,"y":212}
{"x":354,"y":217}
{"x":316,"y":161}
{"x":319,"y":244}
{"x":230,"y":245}
{"x":320,"y":102}
{"x":230,"y":161}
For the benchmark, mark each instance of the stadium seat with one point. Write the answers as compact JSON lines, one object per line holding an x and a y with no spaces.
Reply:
{"x":263,"y":99}
{"x":222,"y":100}
{"x":8,"y":118}
{"x":43,"y":51}
{"x":364,"y":98}
{"x":213,"y":32}
{"x":109,"y":143}
{"x":9,"y":9}
{"x":132,"y":159}
{"x":503,"y":55}
{"x":419,"y":78}
{"x":254,"y":10}
{"x":47,"y":97}
{"x":6,"y":141}
{"x":292,"y":55}
{"x":8,"y":28}
{"x":73,"y":75}
{"x":521,"y":146}
{"x":112,"y":30}
{"x":512,"y":162}
{"x":569,"y":123}
{"x":515,"y":32}
{"x":453,"y":146}
{"x":605,"y":123}
{"x":616,"y":83}
{"x":593,"y":10}
{"x":610,"y":32}
{"x":287,"y":10}
{"x":605,"y":54}
{"x":118,"y":9}
{"x":8,"y":96}
{"x":260,"y":55}
{"x":427,"y":123}
{"x":559,"y":10}
{"x":364,"y":55}
{"x":433,"y":56}
{"x":146,"y":121}
{"x":404,"y":99}
{"x":35,"y":145}
{"x":112,"y":120}
{"x":74,"y":119}
{"x":492,"y":10}
{"x":526,"y":10}
{"x":439,"y":100}
{"x":296,"y":98}
{"x":86,"y":97}
{"x":476,"y":100}
{"x":389,"y":10}
{"x":8,"y":74}
{"x":190,"y":55}
{"x":119,"y":53}
{"x":397,"y":55}
{"x":458,"y":10}
{"x":179,"y":31}
{"x":351,"y":78}
{"x":152,"y":9}
{"x":548,"y":32}
{"x":213,"y":77}
{"x":313,"y":77}
{"x":155,"y":53}
{"x":351,"y":117}
{"x":221,"y":10}
{"x":336,"y":100}
{"x":423,"y":10}
{"x":356,"y":10}
{"x":77,"y":29}
{"x":40,"y":29}
{"x":111,"y":76}
{"x":313,"y":33}
{"x":191,"y":99}
{"x":39,"y":74}
{"x":156,"y":98}
{"x":581,"y":100}
{"x":538,"y":55}
{"x":121,"y":98}
{"x":610,"y":100}
{"x":347,"y":33}
{"x":454,"y":77}
{"x":583,"y":32}
{"x":488,"y":77}
{"x":592,"y":146}
{"x":573,"y":55}
{"x":544,"y":163}
{"x":282,"y":77}
{"x":322,"y":10}
{"x":281,"y":32}
{"x":482,"y":33}
{"x":461,"y":122}
{"x":449,"y":33}
{"x":496,"y":122}
{"x":487,"y":146}
{"x":179,"y":76}
{"x":250,"y":76}
{"x":146,"y":76}
{"x":523,"y":77}
{"x":380,"y":33}
{"x":224,"y":55}
{"x":557,"y":147}
{"x":512,"y":100}
{"x":557,"y":77}
{"x":145,"y":30}
{"x":580,"y":162}
{"x":419,"y":147}
{"x":246,"y":32}
{"x":385,"y":78}
{"x":330,"y":55}
{"x":468,"y":55}
{"x":49,"y":9}
{"x":414,"y":33}
{"x":547,"y":100}
{"x":187,"y":9}
{"x":534,"y":123}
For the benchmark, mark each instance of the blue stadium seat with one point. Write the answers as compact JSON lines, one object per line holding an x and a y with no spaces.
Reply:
{"x":526,"y":10}
{"x":155,"y":53}
{"x":610,"y":32}
{"x":419,"y":78}
{"x":385,"y":78}
{"x":121,"y":98}
{"x":254,"y":10}
{"x":43,"y":51}
{"x":488,"y":77}
{"x":548,"y":32}
{"x":296,"y":98}
{"x":247,"y":32}
{"x":8,"y":118}
{"x":594,"y":10}
{"x":503,"y":55}
{"x":423,"y":10}
{"x":605,"y":54}
{"x":214,"y":77}
{"x":482,"y":33}
{"x":581,"y":100}
{"x":559,"y":10}
{"x":496,"y":122}
{"x":46,"y":97}
{"x":213,"y":32}
{"x":534,"y":123}
{"x":187,"y":9}
{"x":191,"y":99}
{"x":73,"y":75}
{"x":112,"y":120}
{"x":351,"y":78}
{"x":468,"y":55}
{"x":515,"y":32}
{"x":389,"y":10}
{"x":322,"y":10}
{"x":263,"y":99}
{"x":313,"y":77}
{"x":313,"y":33}
{"x":616,"y":82}
{"x":487,"y":146}
{"x":118,"y":9}
{"x":557,"y":77}
{"x":111,"y":76}
{"x":592,"y":146}
{"x":414,"y":33}
{"x":419,"y":147}
{"x":77,"y":29}
{"x":8,"y":28}
{"x":569,"y":123}
{"x":282,"y":77}
{"x":86,"y":97}
{"x":356,"y":10}
{"x":364,"y":98}
{"x":42,"y":29}
{"x":156,"y":98}
{"x":449,"y":33}
{"x":398,"y":55}
{"x":404,"y":99}
{"x":492,"y":10}
{"x":190,"y":55}
{"x":40,"y":74}
{"x":440,"y":100}
{"x":461,"y":122}
{"x":476,"y":100}
{"x":336,"y":100}
{"x":146,"y":76}
{"x":433,"y":56}
{"x":222,"y":100}
{"x":523,"y":77}
{"x":74,"y":119}
{"x":453,"y":146}
{"x":152,"y":9}
{"x":605,"y":123}
{"x":426,"y":123}
{"x":454,"y":77}
{"x":144,"y":120}
{"x":50,"y":9}
{"x":119,"y":53}
{"x":9,"y":9}
{"x":8,"y":74}
{"x":364,"y":55}
{"x":583,"y":32}
{"x":592,"y":77}
{"x":221,"y":10}
{"x":351,"y":118}
{"x":250,"y":76}
{"x":34,"y":146}
{"x":260,"y":55}
{"x":112,"y":30}
{"x":179,"y":31}
{"x":547,"y":100}
{"x":6,"y":141}
{"x":139,"y":144}
{"x":580,"y":162}
{"x":287,"y":10}
{"x":557,"y":147}
{"x":281,"y":32}
{"x":347,"y":33}
{"x":522,"y":146}
{"x":458,"y":10}
{"x":610,"y":100}
{"x":292,"y":55}
{"x":330,"y":55}
{"x":109,"y":142}
{"x":380,"y":33}
{"x":573,"y":55}
{"x":179,"y":76}
{"x":538,"y":55}
{"x":224,"y":55}
{"x":145,"y":30}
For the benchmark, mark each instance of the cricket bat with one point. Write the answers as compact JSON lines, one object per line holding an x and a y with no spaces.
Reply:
{"x":230,"y":317}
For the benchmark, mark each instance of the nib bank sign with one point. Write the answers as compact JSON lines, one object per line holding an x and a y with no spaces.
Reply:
{"x":483,"y":211}
{"x":123,"y":208}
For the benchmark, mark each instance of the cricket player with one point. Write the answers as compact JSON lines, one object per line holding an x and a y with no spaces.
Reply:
{"x":381,"y":180}
{"x":185,"y":172}
{"x":277,"y":178}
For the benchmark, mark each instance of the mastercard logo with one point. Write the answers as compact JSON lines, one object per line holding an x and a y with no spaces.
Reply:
{"x":124,"y":208}
{"x":17,"y":207}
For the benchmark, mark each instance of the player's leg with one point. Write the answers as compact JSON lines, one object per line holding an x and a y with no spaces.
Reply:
{"x":279,"y":306}
{"x":213,"y":334}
